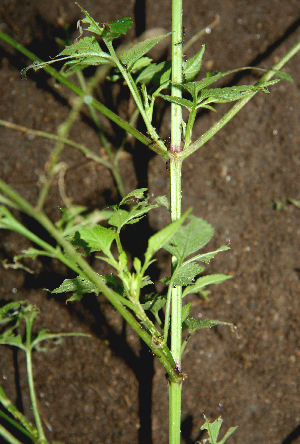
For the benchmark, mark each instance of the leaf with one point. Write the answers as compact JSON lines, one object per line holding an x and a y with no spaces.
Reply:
{"x":189,"y":238}
{"x":194,"y":87}
{"x":159,"y":239}
{"x":114,"y":29}
{"x":155,"y":304}
{"x":155,"y":74}
{"x":230,"y":94}
{"x":94,"y":26}
{"x":138,"y":194}
{"x":185,"y":311}
{"x":186,"y":273}
{"x":178,"y":100}
{"x":193,"y":65}
{"x":203,"y":281}
{"x":137,"y":51}
{"x":193,"y":324}
{"x":82,"y":286}
{"x":11,"y":311}
{"x":122,"y":217}
{"x":98,"y":238}
{"x":79,"y":285}
{"x":140,"y":64}
{"x":283,"y":76}
{"x":206,"y":257}
{"x":213,"y":430}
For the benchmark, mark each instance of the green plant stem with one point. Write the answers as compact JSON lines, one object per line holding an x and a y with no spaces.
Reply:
{"x":30,"y":430}
{"x":33,"y":399}
{"x":175,"y":201}
{"x":8,"y":436}
{"x":239,"y":105}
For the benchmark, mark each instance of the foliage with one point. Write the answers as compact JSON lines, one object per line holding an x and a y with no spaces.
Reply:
{"x":158,"y":319}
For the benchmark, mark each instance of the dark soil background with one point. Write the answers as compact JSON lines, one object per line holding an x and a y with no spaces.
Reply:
{"x":108,"y":388}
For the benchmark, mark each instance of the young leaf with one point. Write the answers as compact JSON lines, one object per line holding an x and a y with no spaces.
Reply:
{"x":137,"y":51}
{"x":94,"y":26}
{"x":86,"y":49}
{"x":78,"y":284}
{"x":230,"y":94}
{"x":189,"y":238}
{"x":114,"y":29}
{"x":81,"y":286}
{"x":155,"y":74}
{"x":185,"y":311}
{"x":98,"y":238}
{"x":178,"y":100}
{"x":186,"y":273}
{"x":158,"y":240}
{"x":193,"y":65}
{"x":206,"y":257}
{"x":192,"y":324}
{"x":213,"y":430}
{"x":123,"y":217}
{"x":138,"y":194}
{"x":203,"y":281}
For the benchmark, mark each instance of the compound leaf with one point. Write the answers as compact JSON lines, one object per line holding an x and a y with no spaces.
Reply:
{"x":133,"y":54}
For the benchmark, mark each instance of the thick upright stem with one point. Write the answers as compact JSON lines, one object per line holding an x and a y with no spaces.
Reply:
{"x":175,"y":199}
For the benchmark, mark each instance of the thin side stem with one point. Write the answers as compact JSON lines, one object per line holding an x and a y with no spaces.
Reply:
{"x":32,"y":392}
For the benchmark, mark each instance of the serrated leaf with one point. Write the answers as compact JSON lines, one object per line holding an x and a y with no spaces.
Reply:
{"x":133,"y":54}
{"x":203,"y":281}
{"x":159,"y":239}
{"x":193,"y":65}
{"x":138,"y":194}
{"x":123,"y":217}
{"x":193,"y":324}
{"x":114,"y":29}
{"x":81,"y":286}
{"x":206,"y":257}
{"x":94,"y":26}
{"x":15,"y":341}
{"x":162,"y":201}
{"x":186,"y":273}
{"x":98,"y":238}
{"x":178,"y":100}
{"x":231,"y":94}
{"x":185,"y":311}
{"x":213,"y":430}
{"x":78,"y":284}
{"x":155,"y":304}
{"x":194,"y":87}
{"x":189,"y":238}
{"x":155,"y":74}
{"x":140,"y":64}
